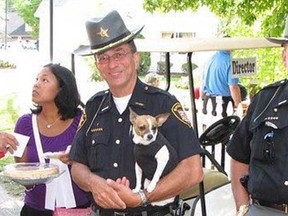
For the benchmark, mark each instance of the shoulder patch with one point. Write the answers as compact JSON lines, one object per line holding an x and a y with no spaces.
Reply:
{"x":82,"y":121}
{"x":178,"y":111}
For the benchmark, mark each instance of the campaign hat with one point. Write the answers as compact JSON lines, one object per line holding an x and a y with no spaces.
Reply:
{"x":105,"y":33}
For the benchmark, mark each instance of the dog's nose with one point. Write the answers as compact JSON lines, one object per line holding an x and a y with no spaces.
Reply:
{"x":150,"y":136}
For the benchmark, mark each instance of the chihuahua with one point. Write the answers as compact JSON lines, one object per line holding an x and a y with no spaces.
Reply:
{"x":154,"y":155}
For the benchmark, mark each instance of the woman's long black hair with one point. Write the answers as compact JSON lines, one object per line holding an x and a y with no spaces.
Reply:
{"x":68,"y":98}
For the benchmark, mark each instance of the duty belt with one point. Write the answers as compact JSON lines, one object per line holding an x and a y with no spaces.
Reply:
{"x":157,"y":212}
{"x":282,"y":207}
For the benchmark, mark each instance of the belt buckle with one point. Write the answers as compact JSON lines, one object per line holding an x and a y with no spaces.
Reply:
{"x":119,"y":214}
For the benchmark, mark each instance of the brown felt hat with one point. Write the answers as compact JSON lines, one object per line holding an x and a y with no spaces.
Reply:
{"x":105,"y":33}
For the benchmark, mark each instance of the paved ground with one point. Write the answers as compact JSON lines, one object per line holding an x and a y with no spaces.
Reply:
{"x":9,"y":205}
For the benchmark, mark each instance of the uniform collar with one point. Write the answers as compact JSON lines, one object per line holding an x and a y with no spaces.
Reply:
{"x":137,"y":99}
{"x":273,"y":109}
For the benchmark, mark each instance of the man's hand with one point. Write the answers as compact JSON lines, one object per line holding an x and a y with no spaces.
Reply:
{"x":105,"y":195}
{"x":121,"y":186}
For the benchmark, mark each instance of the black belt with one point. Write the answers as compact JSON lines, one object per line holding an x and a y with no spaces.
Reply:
{"x":281,"y":207}
{"x":153,"y":212}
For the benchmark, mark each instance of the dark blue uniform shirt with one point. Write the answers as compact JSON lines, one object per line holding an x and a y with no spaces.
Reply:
{"x":261,"y":140}
{"x":104,"y":143}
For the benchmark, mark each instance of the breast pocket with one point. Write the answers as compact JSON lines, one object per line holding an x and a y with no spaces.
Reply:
{"x":267,"y":142}
{"x":98,"y":154}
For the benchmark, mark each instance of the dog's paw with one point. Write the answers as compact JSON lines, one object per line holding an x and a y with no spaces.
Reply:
{"x":151,"y":187}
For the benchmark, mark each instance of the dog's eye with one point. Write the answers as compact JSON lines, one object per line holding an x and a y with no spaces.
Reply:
{"x":142,"y":128}
{"x":154,"y":128}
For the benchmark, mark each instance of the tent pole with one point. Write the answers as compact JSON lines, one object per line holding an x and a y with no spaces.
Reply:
{"x":51,"y":31}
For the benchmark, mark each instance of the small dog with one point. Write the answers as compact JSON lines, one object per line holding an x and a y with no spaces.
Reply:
{"x":154,"y":155}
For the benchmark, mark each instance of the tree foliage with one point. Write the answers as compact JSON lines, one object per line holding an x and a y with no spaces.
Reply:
{"x":145,"y":61}
{"x":271,"y":12}
{"x":239,"y":18}
{"x":26,"y":9}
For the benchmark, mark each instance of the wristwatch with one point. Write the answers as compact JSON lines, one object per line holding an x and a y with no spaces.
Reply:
{"x":144,"y":200}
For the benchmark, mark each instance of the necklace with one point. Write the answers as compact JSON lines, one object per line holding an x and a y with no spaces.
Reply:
{"x":49,"y":125}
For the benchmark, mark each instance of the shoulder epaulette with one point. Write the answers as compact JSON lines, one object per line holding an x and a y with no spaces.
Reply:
{"x":99,"y":94}
{"x":152,"y":90}
{"x":276,"y":84}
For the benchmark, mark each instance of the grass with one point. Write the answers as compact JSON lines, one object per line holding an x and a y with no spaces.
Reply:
{"x":11,"y":187}
{"x":8,"y":112}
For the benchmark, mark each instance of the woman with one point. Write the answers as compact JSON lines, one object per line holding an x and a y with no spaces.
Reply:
{"x":57,"y":115}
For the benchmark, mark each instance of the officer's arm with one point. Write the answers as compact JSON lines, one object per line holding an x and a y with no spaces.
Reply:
{"x":240,"y":194}
{"x":103,"y":194}
{"x":188,"y":173}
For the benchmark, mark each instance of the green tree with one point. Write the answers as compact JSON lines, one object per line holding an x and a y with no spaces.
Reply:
{"x":269,"y":65}
{"x":145,"y":61}
{"x":26,"y":9}
{"x":273,"y":11}
{"x":240,"y":18}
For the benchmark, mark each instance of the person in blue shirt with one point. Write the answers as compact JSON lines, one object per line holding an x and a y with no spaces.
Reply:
{"x":219,"y":82}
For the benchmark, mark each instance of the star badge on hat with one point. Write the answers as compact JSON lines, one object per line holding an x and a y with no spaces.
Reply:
{"x":103,"y":33}
{"x":100,"y":41}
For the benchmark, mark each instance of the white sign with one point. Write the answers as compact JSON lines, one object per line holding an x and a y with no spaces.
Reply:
{"x":243,"y":67}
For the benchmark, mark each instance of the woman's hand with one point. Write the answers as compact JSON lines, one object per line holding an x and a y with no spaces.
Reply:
{"x":8,"y":142}
{"x":65,"y":156}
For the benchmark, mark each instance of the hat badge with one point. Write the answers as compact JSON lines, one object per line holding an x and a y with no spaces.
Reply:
{"x":103,"y":33}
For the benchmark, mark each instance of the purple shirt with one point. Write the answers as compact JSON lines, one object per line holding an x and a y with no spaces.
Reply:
{"x":36,"y":197}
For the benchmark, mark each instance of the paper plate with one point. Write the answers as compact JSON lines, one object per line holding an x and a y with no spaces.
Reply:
{"x":30,"y":174}
{"x":53,"y":155}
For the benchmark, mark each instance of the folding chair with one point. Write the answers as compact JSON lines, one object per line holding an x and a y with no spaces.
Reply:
{"x":218,"y":133}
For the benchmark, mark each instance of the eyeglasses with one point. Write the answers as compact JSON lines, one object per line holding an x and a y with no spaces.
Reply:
{"x":118,"y":56}
{"x":269,"y":151}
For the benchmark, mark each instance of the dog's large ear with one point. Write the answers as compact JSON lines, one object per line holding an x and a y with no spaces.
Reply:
{"x":133,"y":115}
{"x":161,"y":118}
